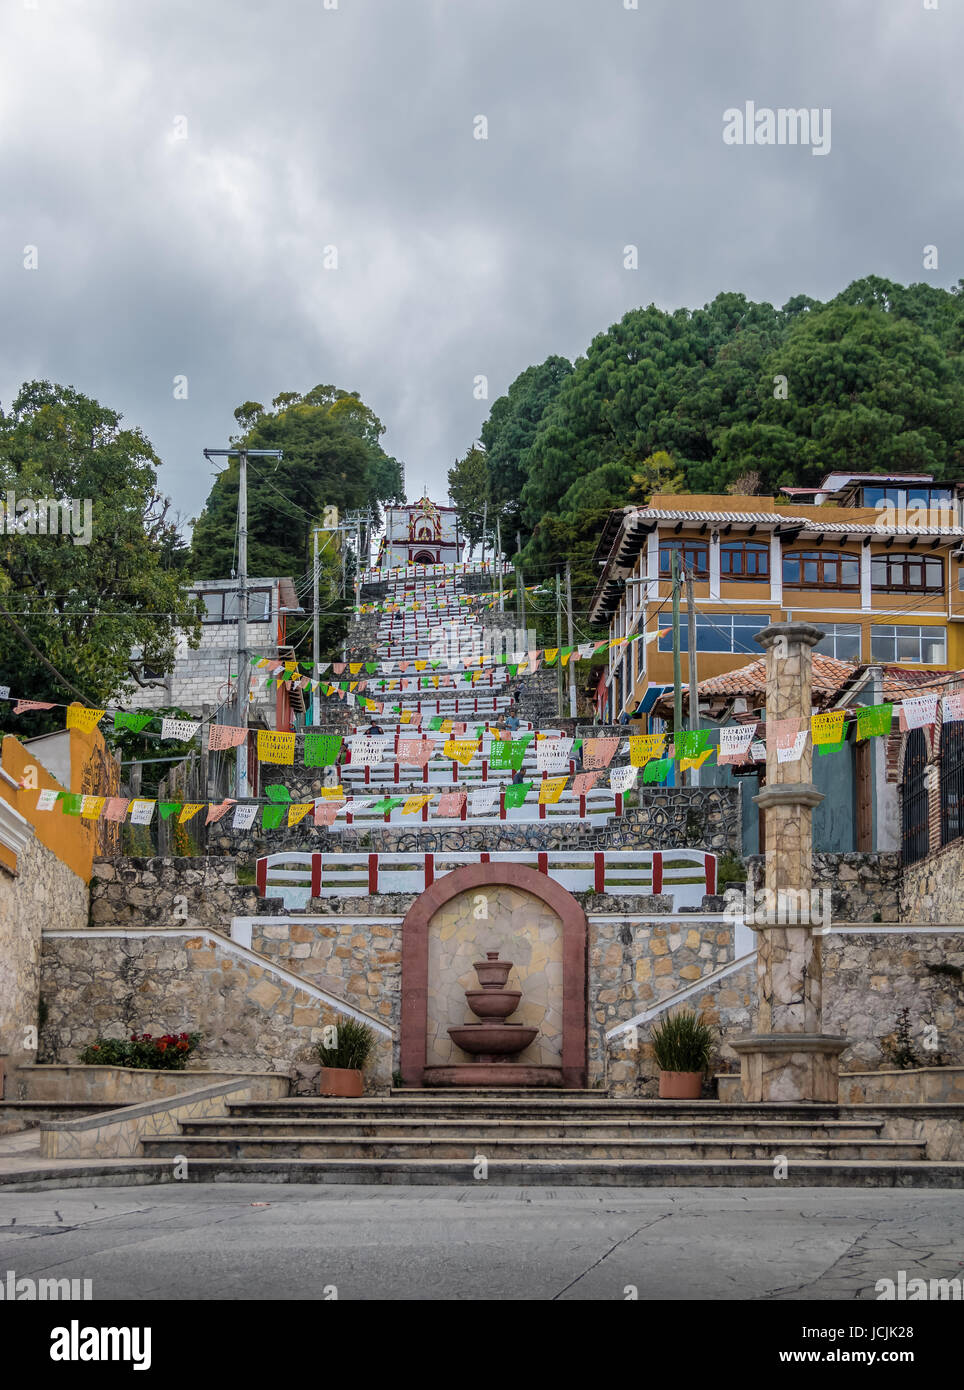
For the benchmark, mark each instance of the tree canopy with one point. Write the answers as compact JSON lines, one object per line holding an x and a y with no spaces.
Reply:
{"x":331,"y":457}
{"x":78,"y":604}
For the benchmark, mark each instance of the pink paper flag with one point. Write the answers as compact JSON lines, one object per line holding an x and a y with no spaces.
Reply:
{"x":338,"y":667}
{"x":23,"y":705}
{"x":116,"y":808}
{"x":598,"y":752}
{"x":215,"y":812}
{"x":416,"y":751}
{"x":450,"y":804}
{"x":225,"y":736}
{"x":326,"y":811}
{"x":584,"y":782}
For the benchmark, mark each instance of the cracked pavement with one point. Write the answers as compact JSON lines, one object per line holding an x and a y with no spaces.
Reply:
{"x":258,"y":1241}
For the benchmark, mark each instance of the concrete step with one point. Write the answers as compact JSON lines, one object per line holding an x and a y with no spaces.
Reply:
{"x":562,"y":1172}
{"x":468,"y":1146}
{"x":540,"y":1108}
{"x":416,"y":1127}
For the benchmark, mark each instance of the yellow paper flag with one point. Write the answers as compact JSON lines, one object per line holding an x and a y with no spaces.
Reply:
{"x":684,"y":763}
{"x":91,"y":806}
{"x":83,"y":719}
{"x":828,"y":728}
{"x":644,"y":747}
{"x":550,"y":789}
{"x":298,"y":811}
{"x":191,"y":809}
{"x":463,"y":750}
{"x":415,"y":803}
{"x":276,"y":748}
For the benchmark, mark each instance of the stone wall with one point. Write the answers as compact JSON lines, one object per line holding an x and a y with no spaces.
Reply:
{"x":42,"y":891}
{"x":932,"y":890}
{"x":868,"y":976}
{"x":170,"y":892}
{"x":252,"y":1017}
{"x":864,"y":887}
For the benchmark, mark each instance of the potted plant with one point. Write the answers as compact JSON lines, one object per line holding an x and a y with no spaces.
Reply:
{"x":683,"y":1047}
{"x":343,"y":1059}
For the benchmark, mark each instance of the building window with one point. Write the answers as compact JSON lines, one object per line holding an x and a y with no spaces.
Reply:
{"x":744,"y":560}
{"x":907,"y":496}
{"x":926,"y":646}
{"x":694,"y":558}
{"x":952,"y":781}
{"x":908,"y":573}
{"x":221,"y":606}
{"x":723,"y":632}
{"x":842,"y":641}
{"x":914,"y":839}
{"x":821,"y":569}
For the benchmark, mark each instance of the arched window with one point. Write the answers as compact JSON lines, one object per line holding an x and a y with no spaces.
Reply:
{"x":821,"y":569}
{"x":908,"y":573}
{"x":423,"y":557}
{"x":914,"y":840}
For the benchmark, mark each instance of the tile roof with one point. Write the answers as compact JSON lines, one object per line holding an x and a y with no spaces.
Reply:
{"x":828,"y":676}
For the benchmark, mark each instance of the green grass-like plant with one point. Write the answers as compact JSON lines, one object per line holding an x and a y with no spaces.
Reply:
{"x":682,"y":1042}
{"x":354,"y":1044}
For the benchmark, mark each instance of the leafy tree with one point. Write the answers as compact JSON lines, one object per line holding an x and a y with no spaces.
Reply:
{"x":656,"y":474}
{"x":508,"y":433}
{"x":331,"y":457}
{"x":81,"y":609}
{"x":468,"y":489}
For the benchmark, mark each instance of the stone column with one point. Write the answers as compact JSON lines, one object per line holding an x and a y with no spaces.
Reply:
{"x":789,"y":1058}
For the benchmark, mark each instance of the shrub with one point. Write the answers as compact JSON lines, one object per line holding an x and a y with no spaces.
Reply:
{"x":353,"y":1045}
{"x":682,"y":1042}
{"x":142,"y":1051}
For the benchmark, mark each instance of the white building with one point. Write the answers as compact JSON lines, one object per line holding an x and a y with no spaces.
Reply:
{"x":420,"y":533}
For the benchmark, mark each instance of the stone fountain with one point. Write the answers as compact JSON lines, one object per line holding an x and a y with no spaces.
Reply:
{"x":493,"y":1039}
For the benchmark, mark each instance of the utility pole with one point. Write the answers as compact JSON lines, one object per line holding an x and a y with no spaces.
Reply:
{"x":520,"y":584}
{"x":498,"y":546}
{"x":692,"y":677}
{"x":316,"y":617}
{"x":244,"y":675}
{"x":571,"y":641}
{"x":485,"y":523}
{"x":677,"y":678}
{"x":559,"y":642}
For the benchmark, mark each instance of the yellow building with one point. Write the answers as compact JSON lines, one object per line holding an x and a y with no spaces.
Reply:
{"x":876,"y":564}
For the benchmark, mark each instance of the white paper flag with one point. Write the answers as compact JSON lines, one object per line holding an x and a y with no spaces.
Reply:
{"x":553,"y":754}
{"x":4,"y":692}
{"x":622,"y":778}
{"x":952,"y":707}
{"x":366,"y":752}
{"x":483,"y":799}
{"x":353,"y":805}
{"x":735,"y":739}
{"x":920,"y":710}
{"x":47,"y":799}
{"x":142,"y":812}
{"x":181,"y":729}
{"x":244,"y":817}
{"x":795,"y":750}
{"x":758,"y":752}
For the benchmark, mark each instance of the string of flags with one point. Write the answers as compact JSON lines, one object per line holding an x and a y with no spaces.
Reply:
{"x":653,"y":754}
{"x":481,"y":600}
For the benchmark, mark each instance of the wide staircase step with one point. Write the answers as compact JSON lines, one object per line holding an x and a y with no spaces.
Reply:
{"x":570,"y":1138}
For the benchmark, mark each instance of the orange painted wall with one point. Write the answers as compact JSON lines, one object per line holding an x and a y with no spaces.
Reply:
{"x":75,"y":842}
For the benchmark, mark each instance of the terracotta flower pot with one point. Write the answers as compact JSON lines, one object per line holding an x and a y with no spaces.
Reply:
{"x":680,"y":1085}
{"x":340,"y":1081}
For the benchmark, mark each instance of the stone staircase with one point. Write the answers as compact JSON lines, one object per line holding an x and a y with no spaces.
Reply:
{"x":572,"y":1138}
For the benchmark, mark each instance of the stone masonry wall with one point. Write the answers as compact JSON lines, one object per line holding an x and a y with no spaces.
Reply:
{"x":864,"y":887}
{"x":43,"y":891}
{"x":251,"y":1018}
{"x":868,"y":977}
{"x":932,"y":890}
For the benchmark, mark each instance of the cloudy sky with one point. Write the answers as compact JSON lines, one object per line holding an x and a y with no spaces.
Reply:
{"x":181,"y":168}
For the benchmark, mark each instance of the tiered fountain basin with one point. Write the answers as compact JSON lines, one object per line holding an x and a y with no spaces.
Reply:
{"x":493,"y":1039}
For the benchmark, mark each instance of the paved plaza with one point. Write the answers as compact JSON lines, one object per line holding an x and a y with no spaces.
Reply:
{"x":257,"y":1241}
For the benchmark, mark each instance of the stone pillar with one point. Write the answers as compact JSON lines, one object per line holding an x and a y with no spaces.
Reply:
{"x":789,"y":1058}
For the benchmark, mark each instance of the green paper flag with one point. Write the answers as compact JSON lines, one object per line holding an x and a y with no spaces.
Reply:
{"x":135,"y":722}
{"x":437,"y":721}
{"x":167,"y":808}
{"x":690,"y":743}
{"x":516,"y":793}
{"x":874,"y":720}
{"x":657,"y":769}
{"x":387,"y":803}
{"x":371,"y":667}
{"x":322,"y":750}
{"x":70,"y":803}
{"x":272,"y":816}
